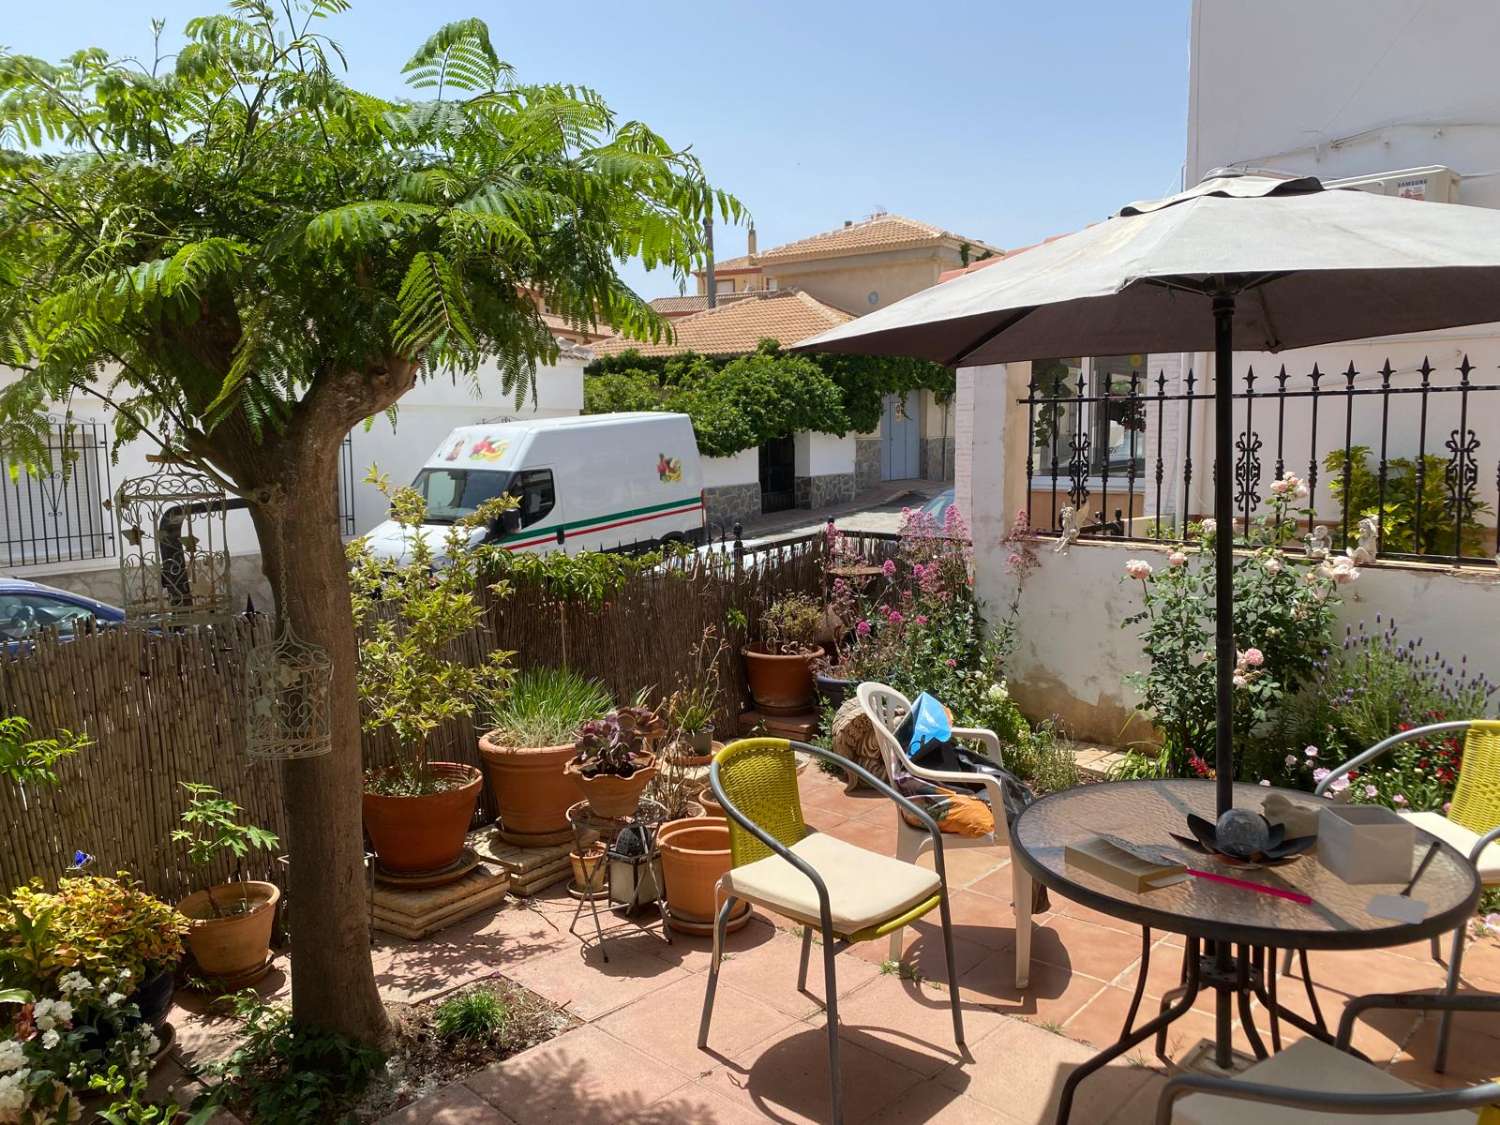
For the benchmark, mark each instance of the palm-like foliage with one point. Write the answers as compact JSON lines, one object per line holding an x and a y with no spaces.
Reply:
{"x":245,"y":257}
{"x":218,"y":231}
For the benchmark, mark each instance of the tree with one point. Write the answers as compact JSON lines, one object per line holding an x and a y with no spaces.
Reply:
{"x":245,"y":258}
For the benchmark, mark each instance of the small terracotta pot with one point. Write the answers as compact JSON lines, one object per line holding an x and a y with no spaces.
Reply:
{"x":585,"y":869}
{"x":710,"y":803}
{"x":531,"y":792}
{"x":611,"y":796}
{"x":694,"y":855}
{"x":416,"y":835}
{"x":780,"y":685}
{"x":231,"y":945}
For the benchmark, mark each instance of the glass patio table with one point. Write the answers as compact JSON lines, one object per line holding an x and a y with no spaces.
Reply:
{"x":1232,"y":932}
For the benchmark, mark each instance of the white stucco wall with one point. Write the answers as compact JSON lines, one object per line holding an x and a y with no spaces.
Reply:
{"x":820,"y":455}
{"x":1073,"y":653}
{"x":739,"y":468}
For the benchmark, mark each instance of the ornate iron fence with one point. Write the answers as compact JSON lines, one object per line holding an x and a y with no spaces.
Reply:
{"x":1406,"y":456}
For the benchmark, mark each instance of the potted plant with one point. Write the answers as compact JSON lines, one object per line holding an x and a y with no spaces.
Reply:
{"x":779,"y":666}
{"x":106,"y":932}
{"x":694,"y":856}
{"x":231,"y":922}
{"x":530,"y":744}
{"x":691,"y":708}
{"x":613,"y":760}
{"x":414,"y":617}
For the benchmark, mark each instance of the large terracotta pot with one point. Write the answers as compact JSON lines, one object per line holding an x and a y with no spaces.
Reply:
{"x":694,"y":854}
{"x":611,"y":796}
{"x":531,"y":792}
{"x":232,"y":945}
{"x":416,"y":835}
{"x":780,"y":685}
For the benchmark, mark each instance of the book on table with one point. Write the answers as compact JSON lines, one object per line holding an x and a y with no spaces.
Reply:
{"x":1125,"y":865}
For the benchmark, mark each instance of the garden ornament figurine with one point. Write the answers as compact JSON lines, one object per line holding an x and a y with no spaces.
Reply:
{"x":1319,"y":543}
{"x":1067,"y":521}
{"x":1363,"y":554}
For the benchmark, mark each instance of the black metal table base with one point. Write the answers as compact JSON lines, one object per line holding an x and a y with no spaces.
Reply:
{"x":1237,"y":975}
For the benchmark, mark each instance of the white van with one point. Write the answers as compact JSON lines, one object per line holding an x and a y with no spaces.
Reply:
{"x":588,"y":483}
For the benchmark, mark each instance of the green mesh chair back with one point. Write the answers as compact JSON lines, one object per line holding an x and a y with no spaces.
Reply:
{"x":1476,"y":799}
{"x":759,"y":777}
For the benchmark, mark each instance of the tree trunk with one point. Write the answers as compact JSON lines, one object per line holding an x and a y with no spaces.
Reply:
{"x":333,"y":980}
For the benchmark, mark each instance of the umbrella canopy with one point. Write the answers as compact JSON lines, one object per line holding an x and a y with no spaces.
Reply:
{"x":1250,"y":262}
{"x":1315,"y":266}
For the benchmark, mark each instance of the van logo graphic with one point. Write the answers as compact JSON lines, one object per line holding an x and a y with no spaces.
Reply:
{"x":487,"y":449}
{"x":668,"y":469}
{"x":452,"y":454}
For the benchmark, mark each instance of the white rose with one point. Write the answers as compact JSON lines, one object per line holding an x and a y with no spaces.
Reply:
{"x":1272,"y":565}
{"x":12,"y":1055}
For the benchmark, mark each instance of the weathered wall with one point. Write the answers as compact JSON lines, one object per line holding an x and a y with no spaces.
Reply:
{"x":1073,"y":654}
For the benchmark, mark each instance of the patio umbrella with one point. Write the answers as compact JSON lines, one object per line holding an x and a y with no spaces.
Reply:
{"x":1253,"y":262}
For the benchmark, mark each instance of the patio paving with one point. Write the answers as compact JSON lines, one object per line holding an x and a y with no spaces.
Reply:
{"x":635,"y":1058}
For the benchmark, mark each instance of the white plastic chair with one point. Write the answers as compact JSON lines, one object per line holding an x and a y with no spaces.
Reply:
{"x":886,"y":707}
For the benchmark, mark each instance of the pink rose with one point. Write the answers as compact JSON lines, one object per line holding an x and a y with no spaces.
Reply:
{"x":1139,"y":569}
{"x":1254,"y":658}
{"x":1177,"y":558}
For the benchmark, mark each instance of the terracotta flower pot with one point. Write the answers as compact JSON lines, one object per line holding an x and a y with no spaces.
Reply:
{"x":612,"y":796}
{"x":694,"y":854}
{"x":585,"y":869}
{"x":232,"y":945}
{"x":531,"y":792}
{"x":710,"y":803}
{"x":780,"y":685}
{"x":415,"y":835}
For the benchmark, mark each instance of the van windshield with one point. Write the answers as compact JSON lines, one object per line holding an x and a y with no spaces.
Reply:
{"x":452,"y":494}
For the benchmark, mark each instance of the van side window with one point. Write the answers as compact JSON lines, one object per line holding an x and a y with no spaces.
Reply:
{"x":533,"y":488}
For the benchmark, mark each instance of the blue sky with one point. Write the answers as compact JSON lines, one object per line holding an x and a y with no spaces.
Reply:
{"x":1000,"y":121}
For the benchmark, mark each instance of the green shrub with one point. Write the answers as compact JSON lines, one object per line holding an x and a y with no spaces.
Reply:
{"x":476,"y":1014}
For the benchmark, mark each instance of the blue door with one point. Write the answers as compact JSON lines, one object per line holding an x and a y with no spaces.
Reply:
{"x":900,"y":438}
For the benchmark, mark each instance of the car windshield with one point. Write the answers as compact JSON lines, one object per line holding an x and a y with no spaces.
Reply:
{"x":938,"y":506}
{"x":452,"y":494}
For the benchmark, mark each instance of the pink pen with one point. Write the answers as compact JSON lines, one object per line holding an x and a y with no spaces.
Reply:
{"x":1228,"y":880}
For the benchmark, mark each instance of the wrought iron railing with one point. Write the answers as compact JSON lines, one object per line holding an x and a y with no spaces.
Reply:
{"x":1414,"y":450}
{"x":59,"y":515}
{"x":347,"y":482}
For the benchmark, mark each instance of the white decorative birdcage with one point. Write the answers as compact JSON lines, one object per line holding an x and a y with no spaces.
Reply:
{"x":174,"y":557}
{"x":288,"y":689}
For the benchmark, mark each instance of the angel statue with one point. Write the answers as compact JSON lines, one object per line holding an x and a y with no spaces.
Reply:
{"x":1363,"y":554}
{"x":1319,"y":543}
{"x":1068,"y":525}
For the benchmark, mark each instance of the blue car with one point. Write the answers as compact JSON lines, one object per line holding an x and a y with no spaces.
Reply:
{"x":26,"y":607}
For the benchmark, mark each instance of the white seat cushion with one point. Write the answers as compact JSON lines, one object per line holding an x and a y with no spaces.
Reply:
{"x":1308,"y":1064}
{"x":1462,"y":839}
{"x":864,"y":888}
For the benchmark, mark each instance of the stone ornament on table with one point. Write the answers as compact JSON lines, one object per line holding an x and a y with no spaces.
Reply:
{"x":1296,"y":818}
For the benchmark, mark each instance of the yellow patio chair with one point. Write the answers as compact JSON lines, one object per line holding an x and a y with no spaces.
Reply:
{"x":1471,"y":825}
{"x":849,"y":893}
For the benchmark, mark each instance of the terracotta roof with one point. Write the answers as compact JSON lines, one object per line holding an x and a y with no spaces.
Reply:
{"x":737,"y":327}
{"x":745,"y":263}
{"x":696,"y":302}
{"x":878,"y":232}
{"x":974,"y":267}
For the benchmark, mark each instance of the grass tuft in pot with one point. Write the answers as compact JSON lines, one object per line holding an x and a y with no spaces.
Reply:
{"x":545,"y":706}
{"x":414,"y":617}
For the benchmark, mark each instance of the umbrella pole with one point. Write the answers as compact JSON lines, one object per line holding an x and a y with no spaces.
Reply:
{"x":1224,"y":650}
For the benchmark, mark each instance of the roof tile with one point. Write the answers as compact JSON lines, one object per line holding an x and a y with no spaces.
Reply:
{"x":737,"y":328}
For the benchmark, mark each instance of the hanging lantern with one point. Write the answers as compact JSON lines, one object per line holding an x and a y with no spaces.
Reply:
{"x":174,"y":559}
{"x":289,"y":688}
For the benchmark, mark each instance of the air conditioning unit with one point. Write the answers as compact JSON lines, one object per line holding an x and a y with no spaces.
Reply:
{"x":1435,"y":183}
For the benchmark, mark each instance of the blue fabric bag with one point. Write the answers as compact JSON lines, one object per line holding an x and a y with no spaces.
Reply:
{"x":927,"y":725}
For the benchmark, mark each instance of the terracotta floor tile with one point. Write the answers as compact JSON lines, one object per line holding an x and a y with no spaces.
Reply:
{"x":1141,"y":1108}
{"x":1163,"y":974}
{"x":664,"y":1024}
{"x":452,"y":1105}
{"x":911,"y":1023}
{"x":874,"y":835}
{"x":583,"y":1075}
{"x":1085,"y":947}
{"x":700,"y":1104}
{"x":588,"y":986}
{"x":932,"y":1101}
{"x":922,"y":952}
{"x":1053,"y":994}
{"x":1099,"y":1022}
{"x":769,"y":973}
{"x":695,"y":954}
{"x":786,"y":1077}
{"x":1097,"y":917}
{"x":1020,"y":1069}
{"x":966,"y":866}
{"x":1473,"y":1050}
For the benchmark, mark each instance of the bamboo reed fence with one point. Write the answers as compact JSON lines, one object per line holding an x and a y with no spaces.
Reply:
{"x":163,"y":709}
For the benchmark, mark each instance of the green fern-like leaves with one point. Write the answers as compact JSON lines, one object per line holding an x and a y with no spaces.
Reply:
{"x":460,"y":57}
{"x":434,"y":309}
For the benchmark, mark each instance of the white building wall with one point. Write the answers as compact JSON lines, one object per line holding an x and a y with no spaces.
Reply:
{"x":738,"y":468}
{"x":819,"y":455}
